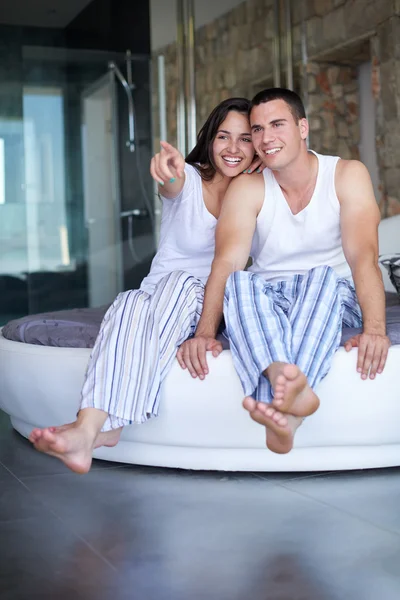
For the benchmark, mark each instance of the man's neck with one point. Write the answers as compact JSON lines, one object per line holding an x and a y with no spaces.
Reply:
{"x":296,"y":177}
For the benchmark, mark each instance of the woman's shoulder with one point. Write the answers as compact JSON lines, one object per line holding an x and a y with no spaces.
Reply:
{"x":193,"y":171}
{"x":192,"y":178}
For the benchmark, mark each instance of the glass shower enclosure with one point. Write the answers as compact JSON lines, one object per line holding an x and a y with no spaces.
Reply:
{"x":76,"y":199}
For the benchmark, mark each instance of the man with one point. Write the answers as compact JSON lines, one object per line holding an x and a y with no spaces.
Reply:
{"x":314,"y":220}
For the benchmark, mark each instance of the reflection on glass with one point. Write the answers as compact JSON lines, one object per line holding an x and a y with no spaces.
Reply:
{"x":43,"y":109}
{"x":13,"y":256}
{"x":2,"y":173}
{"x":101,"y":204}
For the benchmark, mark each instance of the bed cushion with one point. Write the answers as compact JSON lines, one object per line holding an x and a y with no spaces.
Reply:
{"x":393,"y":326}
{"x":78,"y":328}
{"x":392,"y":264}
{"x":74,"y":328}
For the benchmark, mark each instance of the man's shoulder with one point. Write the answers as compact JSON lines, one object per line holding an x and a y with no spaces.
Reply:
{"x":249,"y":185}
{"x":254,"y":181}
{"x":349,"y":171}
{"x":344,"y":165}
{"x":350,"y":165}
{"x":352,"y":180}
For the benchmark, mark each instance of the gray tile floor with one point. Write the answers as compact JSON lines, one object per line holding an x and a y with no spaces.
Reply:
{"x":124,"y":532}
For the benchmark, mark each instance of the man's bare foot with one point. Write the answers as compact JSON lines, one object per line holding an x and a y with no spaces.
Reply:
{"x":73,"y":446}
{"x":280,"y":427}
{"x":292,"y":394}
{"x":105,"y":438}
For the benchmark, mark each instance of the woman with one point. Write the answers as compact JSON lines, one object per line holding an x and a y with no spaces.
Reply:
{"x":143,"y":328}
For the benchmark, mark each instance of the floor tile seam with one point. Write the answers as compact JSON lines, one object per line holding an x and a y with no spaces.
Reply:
{"x":21,"y":519}
{"x":67,"y":473}
{"x":12,"y":474}
{"x":341,"y":510}
{"x":59,"y":518}
{"x":299,"y":478}
{"x":333,"y":474}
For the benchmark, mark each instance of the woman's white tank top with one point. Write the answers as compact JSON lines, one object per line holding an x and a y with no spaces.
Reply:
{"x":187,"y":234}
{"x":285,"y":244}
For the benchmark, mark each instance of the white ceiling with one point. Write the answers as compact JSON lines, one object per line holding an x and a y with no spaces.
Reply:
{"x":40,"y":13}
{"x":58,"y":13}
{"x":163,"y":17}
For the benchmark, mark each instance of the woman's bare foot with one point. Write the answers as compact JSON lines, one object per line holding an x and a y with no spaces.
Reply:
{"x":292,"y":394}
{"x":72,"y":445}
{"x":35,"y":435}
{"x":280,"y":428}
{"x":105,"y":438}
{"x":108,"y":438}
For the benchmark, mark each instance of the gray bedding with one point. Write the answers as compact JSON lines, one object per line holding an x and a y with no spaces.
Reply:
{"x":78,"y":328}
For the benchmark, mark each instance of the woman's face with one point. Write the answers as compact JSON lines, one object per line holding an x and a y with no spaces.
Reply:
{"x":233,"y":149}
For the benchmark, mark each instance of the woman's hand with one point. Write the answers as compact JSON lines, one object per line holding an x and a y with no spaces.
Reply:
{"x":257,"y":166}
{"x":167,"y":166}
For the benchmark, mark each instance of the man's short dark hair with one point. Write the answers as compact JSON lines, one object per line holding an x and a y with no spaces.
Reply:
{"x":292,"y":99}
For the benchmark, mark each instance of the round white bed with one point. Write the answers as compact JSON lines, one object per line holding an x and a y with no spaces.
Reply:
{"x":202,"y":424}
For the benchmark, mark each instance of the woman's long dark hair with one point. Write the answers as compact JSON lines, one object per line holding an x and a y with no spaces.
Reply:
{"x":201,"y":157}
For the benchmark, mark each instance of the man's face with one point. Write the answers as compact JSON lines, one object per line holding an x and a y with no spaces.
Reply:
{"x":277,"y":138}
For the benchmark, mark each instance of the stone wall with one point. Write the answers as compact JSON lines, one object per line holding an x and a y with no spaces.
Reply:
{"x":231,"y":53}
{"x":333,"y":109}
{"x":386,"y":90}
{"x":234,"y":57}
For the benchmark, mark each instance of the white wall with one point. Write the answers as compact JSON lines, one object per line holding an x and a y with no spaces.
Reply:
{"x":163,"y":17}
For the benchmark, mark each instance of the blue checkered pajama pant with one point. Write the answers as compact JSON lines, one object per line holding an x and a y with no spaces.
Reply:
{"x":298,"y":321}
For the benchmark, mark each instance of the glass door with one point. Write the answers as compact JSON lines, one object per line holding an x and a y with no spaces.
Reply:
{"x":101,"y":190}
{"x":75,"y":224}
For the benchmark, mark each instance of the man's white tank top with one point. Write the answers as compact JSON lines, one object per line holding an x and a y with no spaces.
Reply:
{"x":285,"y":244}
{"x":187,"y":234}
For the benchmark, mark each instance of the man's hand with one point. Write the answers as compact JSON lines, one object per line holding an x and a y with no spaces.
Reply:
{"x":372,"y":353}
{"x":192,"y":354}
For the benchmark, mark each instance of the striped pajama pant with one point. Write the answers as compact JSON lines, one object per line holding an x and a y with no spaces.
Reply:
{"x":136,"y":346}
{"x":298,"y":321}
